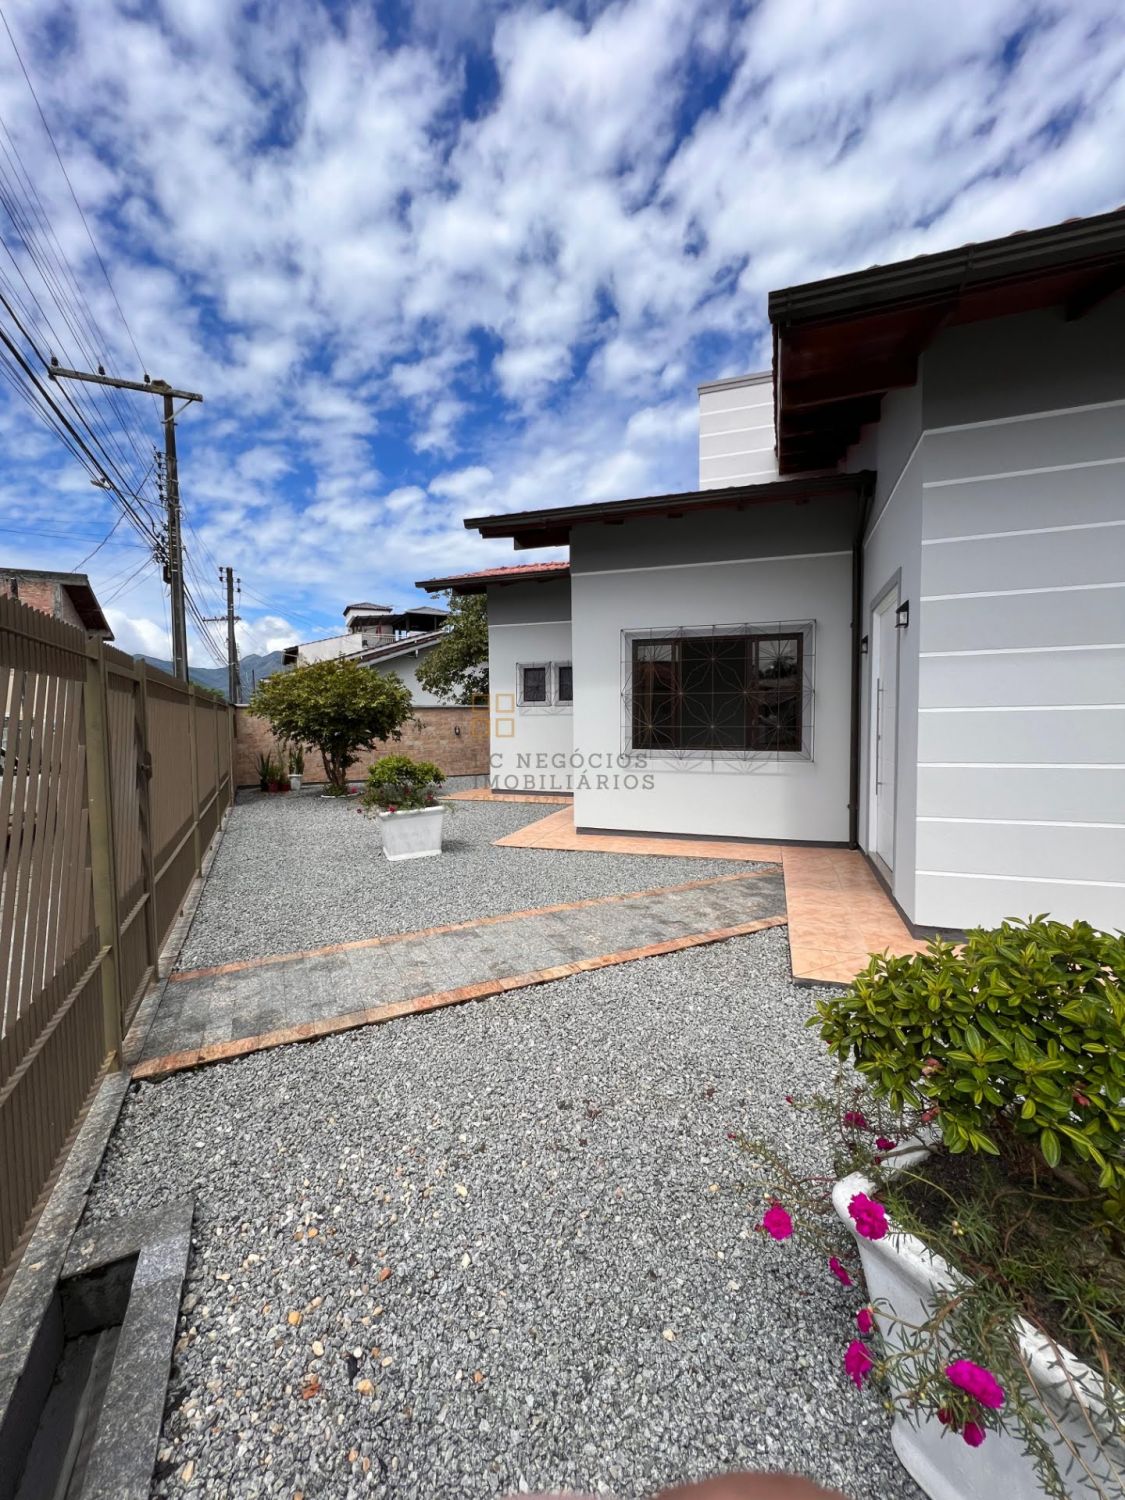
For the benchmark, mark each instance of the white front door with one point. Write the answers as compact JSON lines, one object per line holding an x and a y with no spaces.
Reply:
{"x":884,"y":729}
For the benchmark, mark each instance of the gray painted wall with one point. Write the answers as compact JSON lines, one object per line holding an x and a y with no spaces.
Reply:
{"x":892,"y":556}
{"x":530,"y":745}
{"x":1014,"y":509}
{"x":736,"y":431}
{"x":760,"y":566}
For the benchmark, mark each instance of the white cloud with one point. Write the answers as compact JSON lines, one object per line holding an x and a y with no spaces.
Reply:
{"x":400,"y":309}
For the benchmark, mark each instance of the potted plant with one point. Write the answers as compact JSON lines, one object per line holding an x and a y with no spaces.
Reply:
{"x":402,"y":794}
{"x":982,"y":1179}
{"x":267,"y":771}
{"x":296,"y":765}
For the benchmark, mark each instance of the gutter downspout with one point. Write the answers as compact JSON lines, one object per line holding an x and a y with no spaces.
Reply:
{"x":857,"y":666}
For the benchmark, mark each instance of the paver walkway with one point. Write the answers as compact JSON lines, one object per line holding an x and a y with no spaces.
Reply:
{"x":557,"y":831}
{"x":211,"y":1015}
{"x":839,"y":914}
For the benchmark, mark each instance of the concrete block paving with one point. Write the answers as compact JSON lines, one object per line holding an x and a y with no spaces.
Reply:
{"x":214,"y":1014}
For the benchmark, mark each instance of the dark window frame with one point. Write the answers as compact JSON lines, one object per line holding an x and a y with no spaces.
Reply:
{"x":717,"y":693}
{"x":560,"y":668}
{"x":542,"y":667}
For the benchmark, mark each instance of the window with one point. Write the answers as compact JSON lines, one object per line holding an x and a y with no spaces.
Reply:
{"x":565,"y":682}
{"x":719,"y":691}
{"x":533,"y":684}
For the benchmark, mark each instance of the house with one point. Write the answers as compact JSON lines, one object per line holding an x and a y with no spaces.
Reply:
{"x":382,"y":638}
{"x":66,"y":596}
{"x":530,"y":681}
{"x":904,"y":632}
{"x":368,"y":627}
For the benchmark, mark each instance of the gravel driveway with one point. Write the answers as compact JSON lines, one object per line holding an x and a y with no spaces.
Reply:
{"x":299,"y":872}
{"x":532,"y":1266}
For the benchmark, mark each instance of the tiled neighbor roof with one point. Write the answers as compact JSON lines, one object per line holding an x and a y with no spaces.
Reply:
{"x":476,"y":583}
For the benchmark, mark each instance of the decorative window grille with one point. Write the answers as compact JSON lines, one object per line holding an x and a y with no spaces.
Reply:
{"x":742,"y":691}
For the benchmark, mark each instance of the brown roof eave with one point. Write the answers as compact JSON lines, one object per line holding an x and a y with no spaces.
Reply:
{"x":550,"y":528}
{"x":1089,"y":243}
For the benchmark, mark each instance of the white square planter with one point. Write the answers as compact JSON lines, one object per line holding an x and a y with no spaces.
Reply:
{"x":414,"y":834}
{"x":904,"y":1277}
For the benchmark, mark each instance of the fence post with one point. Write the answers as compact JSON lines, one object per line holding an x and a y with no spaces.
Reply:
{"x":103,"y":865}
{"x":198,"y":852}
{"x":144,"y":780}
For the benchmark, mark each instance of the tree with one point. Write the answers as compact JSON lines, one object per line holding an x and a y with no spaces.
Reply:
{"x":456,"y":670}
{"x":336,"y":705}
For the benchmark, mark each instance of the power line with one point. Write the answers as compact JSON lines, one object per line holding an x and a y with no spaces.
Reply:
{"x":70,"y":185}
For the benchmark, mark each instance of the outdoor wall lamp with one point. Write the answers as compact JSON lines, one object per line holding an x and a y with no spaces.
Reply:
{"x":902,"y":615}
{"x":864,"y":646}
{"x":457,"y":730}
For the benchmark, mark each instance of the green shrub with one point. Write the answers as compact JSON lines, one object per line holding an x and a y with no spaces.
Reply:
{"x":1015,"y":1041}
{"x":337,"y":705}
{"x":397,"y":783}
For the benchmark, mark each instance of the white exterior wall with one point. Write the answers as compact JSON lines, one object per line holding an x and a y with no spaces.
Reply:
{"x":338,"y":645}
{"x":1009,"y":527}
{"x":892,"y":556}
{"x":406,"y":667}
{"x":530,"y":744}
{"x":736,"y":431}
{"x":775,"y":563}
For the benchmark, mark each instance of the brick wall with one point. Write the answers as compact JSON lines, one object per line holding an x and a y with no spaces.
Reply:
{"x":456,"y":739}
{"x":46,"y":595}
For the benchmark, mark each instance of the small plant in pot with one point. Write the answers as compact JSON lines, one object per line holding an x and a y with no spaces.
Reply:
{"x":980,"y":1169}
{"x":296,"y":757}
{"x":272,"y":776}
{"x":402,"y":794}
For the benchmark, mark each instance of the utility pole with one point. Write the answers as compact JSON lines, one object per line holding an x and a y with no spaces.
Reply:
{"x":234,"y":675}
{"x":175,"y":543}
{"x":172,"y":492}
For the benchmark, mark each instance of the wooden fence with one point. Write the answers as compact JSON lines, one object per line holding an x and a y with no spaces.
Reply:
{"x":114,"y":779}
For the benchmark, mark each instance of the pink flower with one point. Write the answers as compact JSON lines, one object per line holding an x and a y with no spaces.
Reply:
{"x":777,"y":1223}
{"x":977,"y":1382}
{"x":856,"y":1120}
{"x":944,"y":1416}
{"x":857,"y":1362}
{"x":838,"y":1271}
{"x":789,"y":1098}
{"x":391,"y":807}
{"x":870,"y":1217}
{"x":884,"y":1143}
{"x":864,"y":1321}
{"x":973,"y":1433}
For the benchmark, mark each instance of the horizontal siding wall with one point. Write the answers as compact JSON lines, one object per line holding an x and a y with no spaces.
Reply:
{"x":736,"y":432}
{"x":1021,"y":731}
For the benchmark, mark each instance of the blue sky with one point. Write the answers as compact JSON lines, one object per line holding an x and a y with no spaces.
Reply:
{"x":434,"y":257}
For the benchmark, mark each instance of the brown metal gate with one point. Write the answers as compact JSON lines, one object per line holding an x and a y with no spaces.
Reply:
{"x":114,"y":780}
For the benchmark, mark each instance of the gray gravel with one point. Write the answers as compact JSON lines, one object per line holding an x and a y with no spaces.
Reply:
{"x":547,"y":1178}
{"x":301,"y":871}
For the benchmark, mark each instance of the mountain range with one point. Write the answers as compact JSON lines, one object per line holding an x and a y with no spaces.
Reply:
{"x":254,"y":669}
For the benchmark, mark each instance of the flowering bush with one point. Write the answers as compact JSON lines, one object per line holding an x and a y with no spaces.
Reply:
{"x":398,"y":784}
{"x":1016,"y":1040}
{"x":1025,"y":1248}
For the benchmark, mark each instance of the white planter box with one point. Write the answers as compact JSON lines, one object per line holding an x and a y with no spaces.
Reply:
{"x":903,"y":1277}
{"x":295,"y":781}
{"x":412,"y":835}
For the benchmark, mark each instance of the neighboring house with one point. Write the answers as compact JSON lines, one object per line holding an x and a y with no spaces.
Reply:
{"x":66,"y":596}
{"x":530,"y":681}
{"x":368,"y":626}
{"x":402,"y":657}
{"x":907,"y":632}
